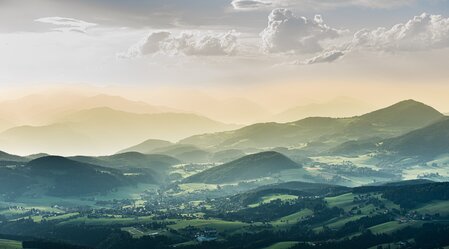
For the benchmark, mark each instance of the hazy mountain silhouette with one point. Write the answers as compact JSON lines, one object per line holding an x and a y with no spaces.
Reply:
{"x":47,"y":107}
{"x":147,"y":146}
{"x":104,"y":131}
{"x":338,"y":107}
{"x":9,"y":157}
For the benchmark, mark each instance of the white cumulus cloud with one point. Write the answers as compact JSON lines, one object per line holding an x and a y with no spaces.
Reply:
{"x":186,"y":43}
{"x":287,"y":32}
{"x":423,"y":32}
{"x":420,"y":33}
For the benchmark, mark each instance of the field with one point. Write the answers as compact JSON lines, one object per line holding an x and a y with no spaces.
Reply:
{"x":10,"y":244}
{"x":220,"y":225}
{"x":270,"y":198}
{"x":282,"y":245}
{"x":440,"y":207}
{"x":392,"y":226}
{"x":344,"y":201}
{"x":339,"y":222}
{"x":293,"y":218}
{"x":193,"y":187}
{"x":138,"y":233}
{"x":106,"y":221}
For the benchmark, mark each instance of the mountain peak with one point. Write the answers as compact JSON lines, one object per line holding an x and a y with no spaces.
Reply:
{"x":409,"y":103}
{"x":405,"y":113}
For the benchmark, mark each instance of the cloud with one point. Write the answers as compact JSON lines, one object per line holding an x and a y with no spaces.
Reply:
{"x":154,"y":42}
{"x":250,"y":4}
{"x":314,"y":4}
{"x":67,"y":24}
{"x":288,"y":33}
{"x":423,"y":32}
{"x":327,"y":56}
{"x":199,"y":44}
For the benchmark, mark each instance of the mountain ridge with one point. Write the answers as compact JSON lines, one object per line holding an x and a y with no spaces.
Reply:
{"x":386,"y":122}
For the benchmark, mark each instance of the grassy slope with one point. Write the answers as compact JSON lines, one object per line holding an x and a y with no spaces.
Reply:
{"x":10,"y":244}
{"x":220,"y":225}
{"x":441,"y":207}
{"x":270,"y":198}
{"x":282,"y":245}
{"x":292,"y":218}
{"x":248,"y":167}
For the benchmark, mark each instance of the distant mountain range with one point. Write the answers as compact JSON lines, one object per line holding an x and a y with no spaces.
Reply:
{"x":103,"y":131}
{"x":45,"y":108}
{"x":389,"y":122}
{"x":339,"y":107}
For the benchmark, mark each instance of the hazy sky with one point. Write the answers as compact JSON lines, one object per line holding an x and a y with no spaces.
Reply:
{"x":315,"y":47}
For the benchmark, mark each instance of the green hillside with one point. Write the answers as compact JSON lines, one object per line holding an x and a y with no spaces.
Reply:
{"x":65,"y":177}
{"x":248,"y":167}
{"x":425,"y":143}
{"x":128,"y":160}
{"x":289,"y":188}
{"x":407,"y":113}
{"x":389,"y":122}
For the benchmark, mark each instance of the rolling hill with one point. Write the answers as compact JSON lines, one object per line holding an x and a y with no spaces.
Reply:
{"x":104,"y":131}
{"x":9,"y":157}
{"x":148,"y":146}
{"x":131,"y":160}
{"x":425,"y":143}
{"x":355,"y":147}
{"x":389,"y":122}
{"x":408,"y":113}
{"x":227,"y":155}
{"x":248,"y":167}
{"x":64,"y":177}
{"x":185,"y":152}
{"x":289,"y":188}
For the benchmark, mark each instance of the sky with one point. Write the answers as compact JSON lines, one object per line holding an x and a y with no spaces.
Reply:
{"x":273,"y":52}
